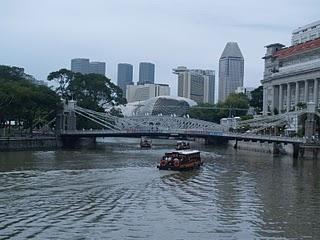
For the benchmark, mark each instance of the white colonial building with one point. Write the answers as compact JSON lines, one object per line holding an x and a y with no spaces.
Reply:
{"x":291,"y":76}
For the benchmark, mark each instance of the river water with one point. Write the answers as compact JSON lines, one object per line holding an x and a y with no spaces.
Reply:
{"x":115,"y":191}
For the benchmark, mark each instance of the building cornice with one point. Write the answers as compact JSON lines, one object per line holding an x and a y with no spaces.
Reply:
{"x":284,"y":75}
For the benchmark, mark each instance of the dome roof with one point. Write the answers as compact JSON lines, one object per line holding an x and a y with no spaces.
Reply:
{"x":162,"y":105}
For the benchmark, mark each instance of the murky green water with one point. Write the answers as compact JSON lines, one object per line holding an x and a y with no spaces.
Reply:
{"x":115,"y":191}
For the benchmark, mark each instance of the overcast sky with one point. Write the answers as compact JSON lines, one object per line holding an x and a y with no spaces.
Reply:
{"x":43,"y":35}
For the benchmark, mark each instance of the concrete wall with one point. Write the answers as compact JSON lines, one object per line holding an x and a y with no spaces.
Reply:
{"x":254,"y":146}
{"x":19,"y":144}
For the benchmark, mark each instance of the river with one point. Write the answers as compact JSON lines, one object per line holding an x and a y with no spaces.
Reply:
{"x":115,"y":191}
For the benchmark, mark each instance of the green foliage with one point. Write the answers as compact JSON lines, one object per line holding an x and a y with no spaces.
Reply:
{"x":302,"y":105}
{"x":238,"y":102}
{"x":62,"y":77}
{"x":246,"y":117}
{"x":91,"y":91}
{"x":235,"y":105}
{"x":205,"y":111}
{"x":22,"y":101}
{"x":95,"y":92}
{"x":257,"y":99}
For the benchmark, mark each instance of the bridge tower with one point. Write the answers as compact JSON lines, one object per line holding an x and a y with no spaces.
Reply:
{"x":66,"y":117}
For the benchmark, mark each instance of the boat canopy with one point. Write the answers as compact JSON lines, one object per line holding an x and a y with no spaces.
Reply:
{"x":187,"y":152}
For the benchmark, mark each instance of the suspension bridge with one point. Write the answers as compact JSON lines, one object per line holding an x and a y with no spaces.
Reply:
{"x":167,"y":126}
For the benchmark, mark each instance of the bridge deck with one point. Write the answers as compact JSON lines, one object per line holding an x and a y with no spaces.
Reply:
{"x":182,"y":133}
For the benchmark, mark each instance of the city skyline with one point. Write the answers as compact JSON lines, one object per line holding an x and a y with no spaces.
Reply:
{"x":134,"y":40}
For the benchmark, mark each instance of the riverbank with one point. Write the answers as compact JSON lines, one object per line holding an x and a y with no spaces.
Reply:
{"x":29,"y":143}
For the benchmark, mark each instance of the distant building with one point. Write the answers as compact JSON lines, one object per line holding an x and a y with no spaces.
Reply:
{"x":306,"y":33}
{"x":146,"y":73}
{"x":146,"y":91}
{"x":97,"y":68}
{"x":125,"y":76}
{"x":196,"y":84}
{"x":84,"y":66}
{"x":163,"y":105}
{"x":245,"y":90}
{"x":291,"y":76}
{"x":231,"y":70}
{"x":40,"y":83}
{"x":231,"y":122}
{"x":80,"y":65}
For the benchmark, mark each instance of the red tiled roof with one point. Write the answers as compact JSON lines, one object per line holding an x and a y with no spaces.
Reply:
{"x":297,"y":49}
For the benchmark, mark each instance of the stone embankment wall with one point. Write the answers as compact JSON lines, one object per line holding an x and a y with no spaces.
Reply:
{"x":29,"y":143}
{"x":264,"y":147}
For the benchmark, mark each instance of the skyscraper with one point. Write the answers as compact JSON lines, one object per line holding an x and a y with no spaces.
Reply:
{"x":80,"y":65}
{"x":231,"y":70}
{"x":125,"y":73}
{"x":146,"y":73}
{"x":146,"y":91}
{"x":97,"y":68}
{"x":306,"y":33}
{"x":84,"y":66}
{"x":196,"y":84}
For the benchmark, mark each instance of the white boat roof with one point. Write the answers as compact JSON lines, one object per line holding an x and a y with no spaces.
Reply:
{"x":188,"y":151}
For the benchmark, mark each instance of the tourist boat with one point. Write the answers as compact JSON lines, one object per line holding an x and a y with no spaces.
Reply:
{"x":180,"y":160}
{"x":145,"y":142}
{"x":181,"y":145}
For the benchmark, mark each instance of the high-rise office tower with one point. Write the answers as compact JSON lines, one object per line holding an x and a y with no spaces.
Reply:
{"x":125,"y":75}
{"x":231,"y":70}
{"x":97,"y":68}
{"x":146,"y":73}
{"x":80,"y":65}
{"x":196,"y":84}
{"x":306,"y":33}
{"x":84,"y":66}
{"x":146,"y":91}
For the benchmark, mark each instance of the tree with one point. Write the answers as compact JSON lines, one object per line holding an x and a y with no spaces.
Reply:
{"x":301,"y":105}
{"x":206,"y":112}
{"x":238,"y":103}
{"x":95,"y":91}
{"x":22,"y":101}
{"x":257,"y":99}
{"x":92,"y":91}
{"x":62,"y":77}
{"x":235,"y":105}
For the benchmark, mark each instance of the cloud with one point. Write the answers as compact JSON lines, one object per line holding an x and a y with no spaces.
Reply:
{"x":43,"y":35}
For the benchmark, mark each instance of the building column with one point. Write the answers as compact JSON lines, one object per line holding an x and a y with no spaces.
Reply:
{"x":265,"y":104}
{"x":288,"y":97}
{"x":272,"y":100}
{"x":296,"y":101}
{"x":280,"y":98}
{"x":306,"y":91}
{"x":315,"y":92}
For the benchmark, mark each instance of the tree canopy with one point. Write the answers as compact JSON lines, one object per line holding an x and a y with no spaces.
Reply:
{"x":22,"y":101}
{"x":92,"y":91}
{"x":257,"y":99}
{"x":235,"y":105}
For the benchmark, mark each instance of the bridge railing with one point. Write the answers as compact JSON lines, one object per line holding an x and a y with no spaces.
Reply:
{"x":193,"y":132}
